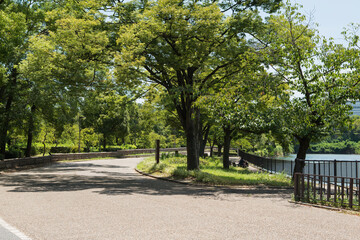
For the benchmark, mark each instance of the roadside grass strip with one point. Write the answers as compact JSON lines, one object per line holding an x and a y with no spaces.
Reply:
{"x":211,"y":172}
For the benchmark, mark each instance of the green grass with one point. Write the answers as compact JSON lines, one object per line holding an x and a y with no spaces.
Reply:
{"x":211,"y":172}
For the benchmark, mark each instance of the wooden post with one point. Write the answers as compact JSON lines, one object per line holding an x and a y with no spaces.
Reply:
{"x":157,"y":151}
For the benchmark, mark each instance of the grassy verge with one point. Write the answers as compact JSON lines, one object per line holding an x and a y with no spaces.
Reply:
{"x":211,"y":172}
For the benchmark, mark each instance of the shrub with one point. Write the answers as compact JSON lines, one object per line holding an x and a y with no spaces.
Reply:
{"x":14,"y":152}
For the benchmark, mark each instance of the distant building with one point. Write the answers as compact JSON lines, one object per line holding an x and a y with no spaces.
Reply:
{"x":356,"y":108}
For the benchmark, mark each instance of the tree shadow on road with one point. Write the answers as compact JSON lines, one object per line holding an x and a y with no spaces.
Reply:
{"x":120,"y":180}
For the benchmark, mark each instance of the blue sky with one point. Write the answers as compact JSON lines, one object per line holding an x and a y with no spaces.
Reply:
{"x":332,"y":16}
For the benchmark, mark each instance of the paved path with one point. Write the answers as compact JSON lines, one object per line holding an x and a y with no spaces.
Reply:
{"x":107,"y":199}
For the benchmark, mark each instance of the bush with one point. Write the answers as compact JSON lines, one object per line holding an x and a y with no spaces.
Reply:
{"x":128,"y":146}
{"x":14,"y":152}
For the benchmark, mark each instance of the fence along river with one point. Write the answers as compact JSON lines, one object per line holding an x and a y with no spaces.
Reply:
{"x":342,"y":165}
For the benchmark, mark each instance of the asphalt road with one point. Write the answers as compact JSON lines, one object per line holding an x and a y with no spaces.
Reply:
{"x":107,"y":199}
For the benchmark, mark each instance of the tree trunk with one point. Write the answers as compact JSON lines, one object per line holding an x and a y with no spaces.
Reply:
{"x":30,"y":132}
{"x":5,"y":126}
{"x":198,"y":133}
{"x":219,"y":147}
{"x":104,"y":143}
{"x":227,"y":140}
{"x":301,"y":154}
{"x":5,"y":123}
{"x":203,"y":140}
{"x":191,"y":143}
{"x":44,"y":142}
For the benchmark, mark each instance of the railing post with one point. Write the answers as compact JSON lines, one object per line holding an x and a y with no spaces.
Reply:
{"x":356,"y":164}
{"x":342,"y":190}
{"x":335,"y":189}
{"x":296,"y":186}
{"x":314,"y":187}
{"x":321,"y":185}
{"x":328,"y":189}
{"x":157,"y":151}
{"x":351,"y":193}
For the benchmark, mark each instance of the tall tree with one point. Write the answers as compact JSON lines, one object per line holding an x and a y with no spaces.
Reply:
{"x":186,"y":47}
{"x":241,"y":103}
{"x":63,"y":60}
{"x":15,"y":27}
{"x":321,"y":75}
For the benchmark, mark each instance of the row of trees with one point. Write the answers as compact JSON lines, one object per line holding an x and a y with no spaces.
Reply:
{"x":216,"y":70}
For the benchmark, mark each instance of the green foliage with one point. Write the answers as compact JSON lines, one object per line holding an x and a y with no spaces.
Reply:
{"x":322,"y":73}
{"x":61,"y":61}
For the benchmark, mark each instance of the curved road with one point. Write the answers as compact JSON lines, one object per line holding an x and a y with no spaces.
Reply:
{"x":107,"y":199}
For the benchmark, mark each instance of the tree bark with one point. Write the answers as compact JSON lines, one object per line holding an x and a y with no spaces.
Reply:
{"x":301,"y":154}
{"x":30,"y":132}
{"x":227,"y":140}
{"x":204,"y":136}
{"x":191,"y":143}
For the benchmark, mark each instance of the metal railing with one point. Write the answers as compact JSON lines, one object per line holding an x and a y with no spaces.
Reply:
{"x":337,"y":168}
{"x":327,"y":190}
{"x":342,"y":168}
{"x":327,"y":182}
{"x":271,"y":165}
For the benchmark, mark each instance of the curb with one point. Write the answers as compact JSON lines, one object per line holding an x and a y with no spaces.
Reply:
{"x":163,"y":178}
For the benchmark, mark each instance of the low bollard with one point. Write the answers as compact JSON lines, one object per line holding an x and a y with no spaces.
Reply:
{"x":157,"y":151}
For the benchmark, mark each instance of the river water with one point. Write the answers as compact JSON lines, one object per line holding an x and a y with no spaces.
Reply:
{"x":342,"y":167}
{"x":338,"y":157}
